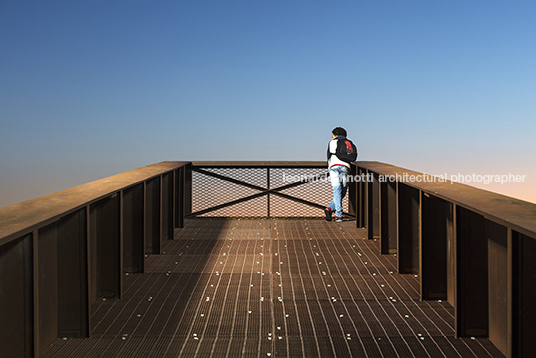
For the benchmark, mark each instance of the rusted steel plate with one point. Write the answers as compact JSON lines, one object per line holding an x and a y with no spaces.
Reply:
{"x":18,"y":219}
{"x":517,"y":214}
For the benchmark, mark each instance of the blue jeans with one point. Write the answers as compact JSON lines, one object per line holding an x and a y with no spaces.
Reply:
{"x":338,"y":178}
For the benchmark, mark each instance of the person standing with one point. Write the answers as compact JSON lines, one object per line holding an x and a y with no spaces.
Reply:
{"x":341,"y":152}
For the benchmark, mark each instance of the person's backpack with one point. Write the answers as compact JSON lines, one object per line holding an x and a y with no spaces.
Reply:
{"x":346,"y":150}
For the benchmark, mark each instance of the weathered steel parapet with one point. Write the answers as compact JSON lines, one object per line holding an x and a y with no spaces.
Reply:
{"x":472,"y":247}
{"x":61,"y":252}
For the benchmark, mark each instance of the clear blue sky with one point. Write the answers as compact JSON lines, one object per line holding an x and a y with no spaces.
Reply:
{"x":93,"y":88}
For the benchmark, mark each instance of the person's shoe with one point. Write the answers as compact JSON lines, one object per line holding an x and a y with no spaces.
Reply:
{"x":338,"y":219}
{"x":327,"y":211}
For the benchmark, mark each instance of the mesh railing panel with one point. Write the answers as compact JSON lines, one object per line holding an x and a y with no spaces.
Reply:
{"x":209,"y":192}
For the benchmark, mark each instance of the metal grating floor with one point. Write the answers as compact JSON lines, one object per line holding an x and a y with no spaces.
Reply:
{"x":271,"y":288}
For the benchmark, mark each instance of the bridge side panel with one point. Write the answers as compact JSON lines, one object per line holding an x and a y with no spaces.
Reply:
{"x":409,"y":229}
{"x":436,"y":216}
{"x":16,"y":313}
{"x":471,"y":307}
{"x":524,"y":296}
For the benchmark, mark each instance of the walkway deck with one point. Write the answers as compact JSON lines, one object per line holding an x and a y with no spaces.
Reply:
{"x":271,"y":288}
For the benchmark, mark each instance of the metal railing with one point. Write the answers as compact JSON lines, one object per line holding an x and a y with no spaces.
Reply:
{"x":61,"y":252}
{"x":472,"y":247}
{"x":262,"y":189}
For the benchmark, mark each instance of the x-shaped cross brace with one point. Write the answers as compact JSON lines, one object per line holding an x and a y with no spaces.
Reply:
{"x":263,"y":191}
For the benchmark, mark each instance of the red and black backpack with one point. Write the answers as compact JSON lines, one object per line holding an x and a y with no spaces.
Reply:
{"x":346,"y":150}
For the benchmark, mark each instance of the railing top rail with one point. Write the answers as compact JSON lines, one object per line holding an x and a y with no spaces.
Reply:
{"x":514,"y":213}
{"x":256,"y":164}
{"x":19,"y":219}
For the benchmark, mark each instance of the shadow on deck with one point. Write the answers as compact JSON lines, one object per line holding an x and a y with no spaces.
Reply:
{"x":272,"y":287}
